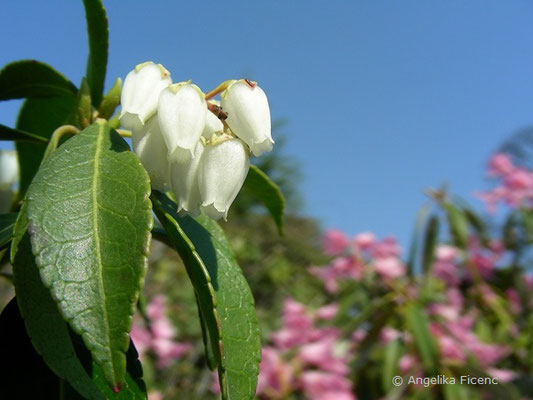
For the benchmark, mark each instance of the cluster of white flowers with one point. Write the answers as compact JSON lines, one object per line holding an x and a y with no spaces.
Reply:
{"x":188,"y":142}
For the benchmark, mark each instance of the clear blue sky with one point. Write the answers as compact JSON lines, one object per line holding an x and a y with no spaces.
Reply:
{"x":383,"y":98}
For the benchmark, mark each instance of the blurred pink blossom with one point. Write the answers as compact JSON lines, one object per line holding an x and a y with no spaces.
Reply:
{"x":335,"y":242}
{"x":500,"y":164}
{"x":326,"y":386}
{"x":389,"y":267}
{"x":275,"y":376}
{"x":327,"y":312}
{"x":364,"y":241}
{"x":503,"y":375}
{"x":160,"y":338}
{"x":389,"y":334}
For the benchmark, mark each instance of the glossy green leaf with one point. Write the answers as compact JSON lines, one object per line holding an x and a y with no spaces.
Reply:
{"x":90,"y":224}
{"x":430,"y":243}
{"x":41,"y":117}
{"x":267,"y":192}
{"x":98,"y":32}
{"x":458,"y":225}
{"x":7,"y":133}
{"x":48,"y":331}
{"x":225,"y":300}
{"x":7,"y":223}
{"x":33,"y":79}
{"x":418,"y":323}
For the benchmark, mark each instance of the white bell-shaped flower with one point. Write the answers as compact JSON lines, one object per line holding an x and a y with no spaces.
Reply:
{"x":140,"y":93}
{"x":9,"y":168}
{"x":212,"y":125}
{"x":221,"y":173}
{"x":184,"y":182}
{"x":182,"y":113}
{"x":248,"y":115}
{"x":149,"y":145}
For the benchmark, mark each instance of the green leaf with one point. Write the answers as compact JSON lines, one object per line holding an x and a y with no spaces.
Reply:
{"x":33,"y":79}
{"x":390,"y":365}
{"x":98,"y":32}
{"x":41,"y":117}
{"x":413,"y":250}
{"x":7,"y":133}
{"x":267,"y":192}
{"x":430,"y":243}
{"x":90,"y":224}
{"x":7,"y":223}
{"x":479,"y":226}
{"x":111,"y":100}
{"x":84,"y":109}
{"x":458,"y":225}
{"x":226,"y":302}
{"x":212,"y":361}
{"x":418,"y":324}
{"x":45,"y":326}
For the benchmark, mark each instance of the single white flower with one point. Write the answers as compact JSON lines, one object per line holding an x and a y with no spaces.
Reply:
{"x":184,"y":182}
{"x":149,"y":145}
{"x":248,"y":115}
{"x":140,"y":93}
{"x":182,"y":113}
{"x":222,"y":171}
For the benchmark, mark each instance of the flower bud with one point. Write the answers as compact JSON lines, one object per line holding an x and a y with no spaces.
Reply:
{"x":149,"y":145}
{"x":248,"y":115}
{"x":184,"y":182}
{"x":140,"y":93}
{"x":221,"y":173}
{"x":9,"y":168}
{"x":182,"y":113}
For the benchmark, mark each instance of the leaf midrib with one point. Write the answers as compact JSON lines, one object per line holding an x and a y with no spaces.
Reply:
{"x":94,"y":192}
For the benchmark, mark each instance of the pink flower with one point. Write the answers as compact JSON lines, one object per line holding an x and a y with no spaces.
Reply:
{"x":503,"y":375}
{"x":328,"y":312}
{"x":447,"y":271}
{"x":168,"y":351}
{"x":388,"y":247}
{"x":364,"y":241}
{"x":500,"y":164}
{"x":321,"y":354}
{"x":141,"y":338}
{"x":406,"y":363}
{"x":156,"y":308}
{"x":446,"y":253}
{"x":323,"y":385}
{"x":518,"y":179}
{"x":389,"y":267}
{"x":487,"y":354}
{"x":297,"y":325}
{"x":335,"y":242}
{"x":358,"y":336}
{"x":451,"y":349}
{"x":389,"y":334}
{"x":274,"y":374}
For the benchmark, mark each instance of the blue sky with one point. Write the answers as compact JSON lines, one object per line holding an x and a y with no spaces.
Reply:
{"x":383,"y":99}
